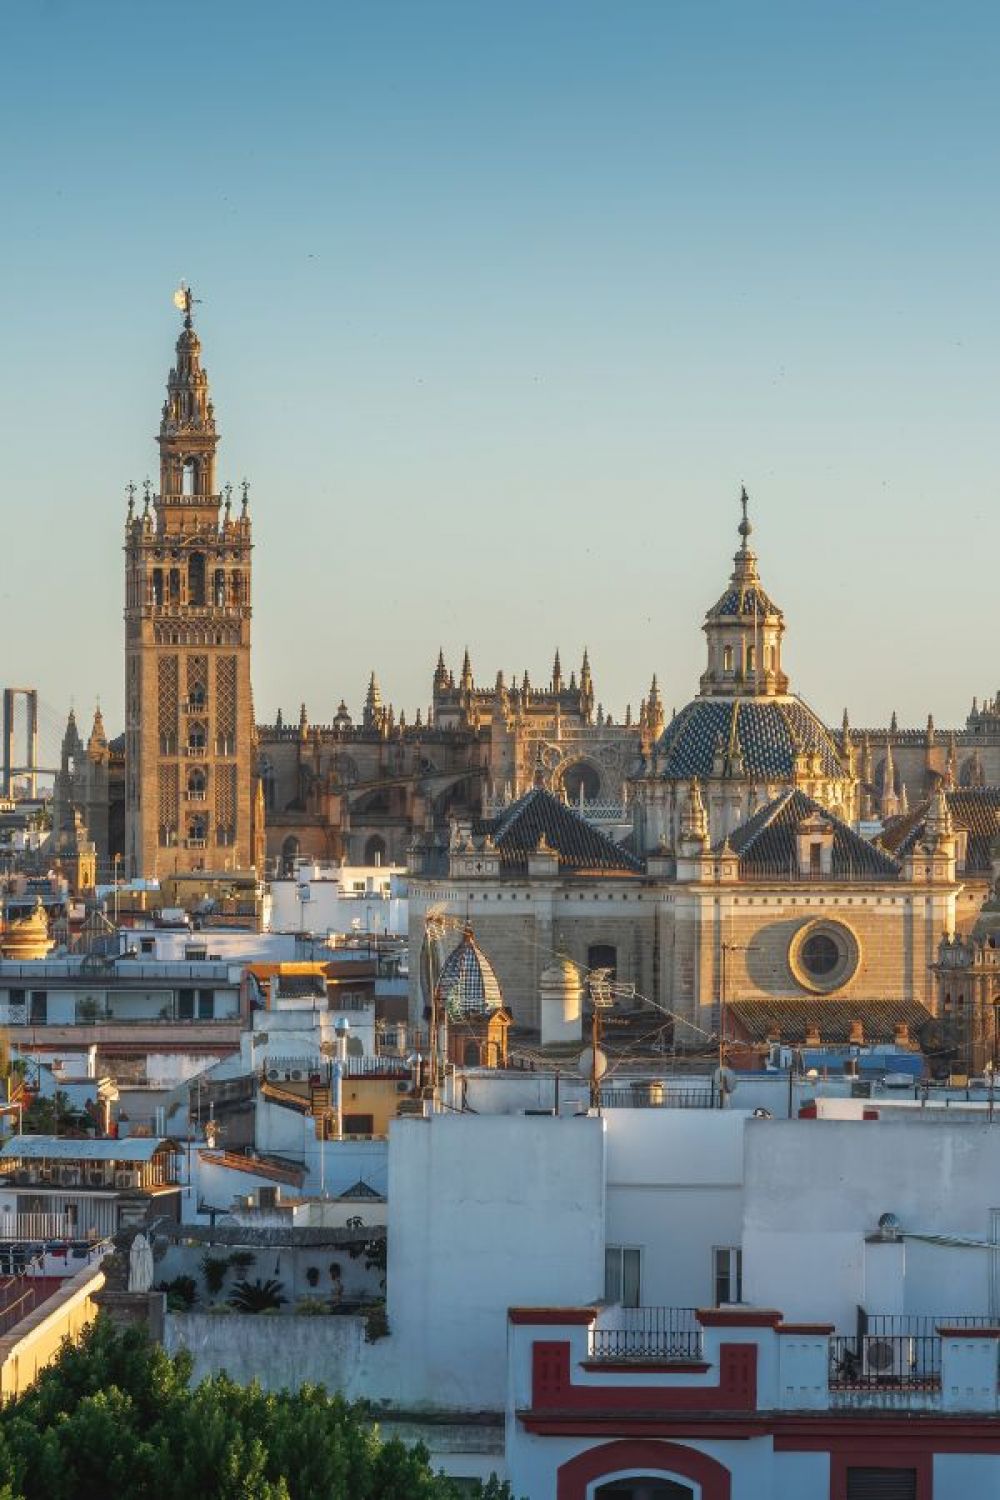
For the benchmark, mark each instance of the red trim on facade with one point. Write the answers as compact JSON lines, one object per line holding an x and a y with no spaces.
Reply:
{"x":824,"y":1328}
{"x":552,"y":1387}
{"x":882,"y":1457}
{"x":738,"y":1317}
{"x":947,"y":1332}
{"x":646,"y":1366}
{"x":574,"y":1476}
{"x":543,"y":1316}
{"x":847,"y":1431}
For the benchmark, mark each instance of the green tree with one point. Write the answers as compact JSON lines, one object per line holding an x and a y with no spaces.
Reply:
{"x":116,"y":1415}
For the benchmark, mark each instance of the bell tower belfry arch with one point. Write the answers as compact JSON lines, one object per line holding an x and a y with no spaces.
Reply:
{"x":189,"y":725}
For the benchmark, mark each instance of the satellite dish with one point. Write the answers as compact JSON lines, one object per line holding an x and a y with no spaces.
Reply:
{"x":591,"y":1062}
{"x":724,"y":1080}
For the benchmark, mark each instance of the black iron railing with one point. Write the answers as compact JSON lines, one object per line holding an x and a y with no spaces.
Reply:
{"x":653,"y":1333}
{"x":658,"y":1096}
{"x":886,"y":1362}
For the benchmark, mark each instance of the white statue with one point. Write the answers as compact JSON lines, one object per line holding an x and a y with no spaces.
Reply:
{"x":140,"y":1265}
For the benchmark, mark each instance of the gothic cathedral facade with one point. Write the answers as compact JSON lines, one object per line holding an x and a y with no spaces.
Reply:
{"x":190,"y":742}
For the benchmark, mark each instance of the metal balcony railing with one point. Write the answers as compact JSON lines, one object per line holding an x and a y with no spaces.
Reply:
{"x":657,"y":1095}
{"x":648,"y":1333}
{"x":885,"y":1362}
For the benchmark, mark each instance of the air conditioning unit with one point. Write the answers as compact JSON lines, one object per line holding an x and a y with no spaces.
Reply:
{"x":296,"y":1075}
{"x":96,"y":1179}
{"x":403,"y":1087}
{"x":274,"y":1075}
{"x":70,"y":1176}
{"x":886,"y":1358}
{"x":127,"y":1179}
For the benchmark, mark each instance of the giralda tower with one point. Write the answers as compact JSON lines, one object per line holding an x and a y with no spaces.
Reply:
{"x":189,"y":735}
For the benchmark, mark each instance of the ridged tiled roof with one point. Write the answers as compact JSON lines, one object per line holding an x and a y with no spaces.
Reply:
{"x":976,"y":809}
{"x":766,"y":845}
{"x":579,"y":846}
{"x":468,"y":984}
{"x":744,"y":599}
{"x":758,"y":1019}
{"x":769,"y":732}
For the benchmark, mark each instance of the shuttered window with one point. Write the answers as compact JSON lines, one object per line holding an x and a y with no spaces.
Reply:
{"x":881,"y":1484}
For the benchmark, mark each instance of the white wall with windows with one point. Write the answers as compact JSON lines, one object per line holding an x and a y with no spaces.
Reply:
{"x":674,"y":1196}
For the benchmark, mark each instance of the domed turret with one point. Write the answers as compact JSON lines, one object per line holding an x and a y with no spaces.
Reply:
{"x":27,"y":937}
{"x":468,"y":984}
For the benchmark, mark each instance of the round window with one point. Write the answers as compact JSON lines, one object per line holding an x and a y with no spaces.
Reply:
{"x":823,"y":956}
{"x":820,"y":955}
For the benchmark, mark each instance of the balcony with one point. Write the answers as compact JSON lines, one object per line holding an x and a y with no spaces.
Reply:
{"x":195,"y":843}
{"x":637,"y":1335}
{"x":653,"y":1093}
{"x":196,"y":752}
{"x":194,"y":706}
{"x":196,"y":796}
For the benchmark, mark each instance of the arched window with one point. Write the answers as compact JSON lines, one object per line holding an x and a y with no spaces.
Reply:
{"x":219,"y":587}
{"x":375,"y":851}
{"x":189,"y":474}
{"x":581,"y":778}
{"x":236,"y":584}
{"x":197,"y":736}
{"x":157,"y":586}
{"x":751,"y":655}
{"x":644,"y":1487}
{"x":603,"y":956}
{"x":289,"y":854}
{"x":175,"y":585}
{"x":727,"y":658}
{"x":196,"y":784}
{"x":196,"y":578}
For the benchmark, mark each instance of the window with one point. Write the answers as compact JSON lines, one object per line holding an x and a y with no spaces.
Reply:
{"x":603,"y":956}
{"x":622,"y":1274}
{"x":359,"y":1125}
{"x":147,"y":945}
{"x":185,"y":1005}
{"x":17,"y":997}
{"x":206,"y":1005}
{"x":39,"y":1012}
{"x":820,"y":954}
{"x":728,"y":1272}
{"x":881,"y":1484}
{"x":815,"y":862}
{"x":727,"y":658}
{"x":750,"y":658}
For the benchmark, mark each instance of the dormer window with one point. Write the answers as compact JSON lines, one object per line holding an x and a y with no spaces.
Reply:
{"x":727,"y":658}
{"x":750,"y":658}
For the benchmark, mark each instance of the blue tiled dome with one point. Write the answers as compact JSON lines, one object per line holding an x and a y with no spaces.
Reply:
{"x":468,"y":983}
{"x":769,"y":733}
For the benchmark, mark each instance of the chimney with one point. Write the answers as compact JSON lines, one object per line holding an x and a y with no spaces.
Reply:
{"x":902,"y":1036}
{"x":813,"y":1037}
{"x":857,"y":1036}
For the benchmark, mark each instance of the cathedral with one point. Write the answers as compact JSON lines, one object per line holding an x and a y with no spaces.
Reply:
{"x":743,"y":896}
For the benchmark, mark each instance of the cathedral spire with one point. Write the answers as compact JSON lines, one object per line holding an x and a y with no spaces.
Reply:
{"x":466,"y":682}
{"x":557,"y":680}
{"x":440,"y":673}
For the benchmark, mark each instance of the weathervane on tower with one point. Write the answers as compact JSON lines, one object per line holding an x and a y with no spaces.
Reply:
{"x":184,"y":300}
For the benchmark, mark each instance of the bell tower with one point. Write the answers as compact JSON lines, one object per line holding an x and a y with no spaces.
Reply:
{"x":189,"y":735}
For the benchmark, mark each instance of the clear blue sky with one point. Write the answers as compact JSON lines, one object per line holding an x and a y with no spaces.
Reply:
{"x":502,"y":303}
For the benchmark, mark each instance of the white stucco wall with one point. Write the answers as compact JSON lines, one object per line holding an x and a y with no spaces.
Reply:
{"x":815,"y":1189}
{"x":675,"y":1189}
{"x":485,"y":1213}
